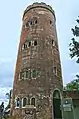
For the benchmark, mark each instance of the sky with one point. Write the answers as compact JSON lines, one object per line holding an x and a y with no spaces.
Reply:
{"x":11,"y":12}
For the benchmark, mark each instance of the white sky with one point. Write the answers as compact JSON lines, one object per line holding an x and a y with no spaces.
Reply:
{"x":10,"y":28}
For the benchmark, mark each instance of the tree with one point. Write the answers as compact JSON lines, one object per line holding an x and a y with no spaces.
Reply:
{"x":1,"y":110}
{"x":73,"y":85}
{"x":74,"y":45}
{"x":9,"y":97}
{"x":7,"y":109}
{"x":74,"y":52}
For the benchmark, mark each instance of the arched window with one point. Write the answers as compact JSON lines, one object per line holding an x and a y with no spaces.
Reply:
{"x":24,"y":102}
{"x":24,"y":46}
{"x":22,"y":75}
{"x":33,"y":73}
{"x":27,"y":73}
{"x":36,"y":22}
{"x":31,"y":22}
{"x":53,"y":43}
{"x":27,"y":24}
{"x":33,"y":101}
{"x":56,"y":94}
{"x":17,"y":102}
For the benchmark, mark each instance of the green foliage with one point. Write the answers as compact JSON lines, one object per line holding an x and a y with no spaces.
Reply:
{"x":74,"y":52}
{"x":73,"y":85}
{"x":74,"y":45}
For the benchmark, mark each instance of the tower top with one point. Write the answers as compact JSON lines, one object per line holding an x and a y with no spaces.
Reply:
{"x":36,"y":5}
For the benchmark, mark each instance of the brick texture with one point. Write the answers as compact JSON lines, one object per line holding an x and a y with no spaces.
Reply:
{"x":39,"y":24}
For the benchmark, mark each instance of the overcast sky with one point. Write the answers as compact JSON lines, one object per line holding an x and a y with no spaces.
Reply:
{"x":10,"y":28}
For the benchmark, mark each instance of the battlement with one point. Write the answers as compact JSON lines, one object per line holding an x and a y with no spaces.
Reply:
{"x":42,"y":5}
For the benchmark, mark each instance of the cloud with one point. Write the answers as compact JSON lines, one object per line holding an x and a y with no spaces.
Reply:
{"x":6,"y":79}
{"x":3,"y":98}
{"x":6,"y":73}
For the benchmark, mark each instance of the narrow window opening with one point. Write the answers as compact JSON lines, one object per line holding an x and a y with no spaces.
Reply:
{"x":22,"y":75}
{"x":24,"y":102}
{"x":53,"y":43}
{"x":50,"y":22}
{"x":17,"y":102}
{"x":29,"y":44}
{"x":35,"y":43}
{"x":36,"y":22}
{"x":33,"y":101}
{"x":27,"y":24}
{"x":55,"y":70}
{"x":31,"y":23}
{"x":34,"y":73}
{"x":27,"y":74}
{"x":24,"y":46}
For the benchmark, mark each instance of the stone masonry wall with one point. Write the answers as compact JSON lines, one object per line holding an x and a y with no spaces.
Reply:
{"x":38,"y":67}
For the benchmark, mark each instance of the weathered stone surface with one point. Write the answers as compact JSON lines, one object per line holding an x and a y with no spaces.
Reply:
{"x":38,"y":51}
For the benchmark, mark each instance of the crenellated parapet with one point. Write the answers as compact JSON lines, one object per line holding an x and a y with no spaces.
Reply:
{"x":37,"y":5}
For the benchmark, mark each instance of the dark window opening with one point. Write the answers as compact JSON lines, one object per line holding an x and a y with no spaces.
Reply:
{"x":55,"y":70}
{"x":20,"y":75}
{"x":38,"y":73}
{"x":34,"y":74}
{"x":17,"y":102}
{"x":27,"y":74}
{"x":31,"y":23}
{"x":50,"y":22}
{"x":33,"y":101}
{"x":36,"y":22}
{"x":24,"y":102}
{"x":52,"y":42}
{"x":27,"y":24}
{"x":29,"y":44}
{"x":35,"y":43}
{"x":57,"y":105}
{"x":24,"y":46}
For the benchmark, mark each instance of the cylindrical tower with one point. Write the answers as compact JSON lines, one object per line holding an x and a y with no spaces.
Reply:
{"x":38,"y":77}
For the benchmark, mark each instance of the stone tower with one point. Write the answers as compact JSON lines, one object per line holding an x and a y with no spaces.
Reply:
{"x":38,"y":78}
